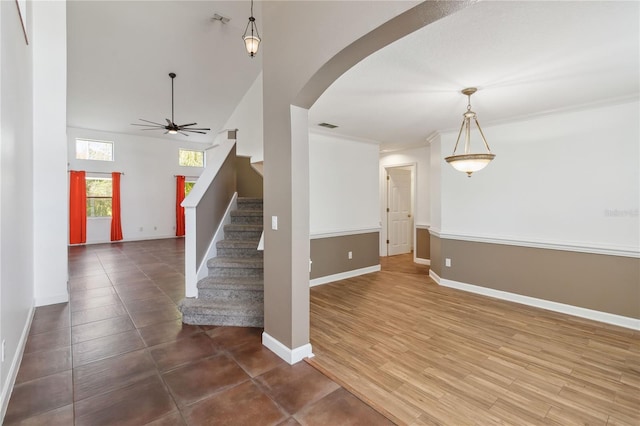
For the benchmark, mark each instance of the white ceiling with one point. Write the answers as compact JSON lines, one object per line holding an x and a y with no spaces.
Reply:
{"x":525,"y":57}
{"x":120,"y":54}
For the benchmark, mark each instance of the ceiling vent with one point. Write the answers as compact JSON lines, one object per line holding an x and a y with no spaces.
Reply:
{"x":327,"y":125}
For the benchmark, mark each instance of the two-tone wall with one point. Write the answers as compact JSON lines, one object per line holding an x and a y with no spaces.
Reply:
{"x":553,"y":220}
{"x":344,"y":207}
{"x":418,"y":160}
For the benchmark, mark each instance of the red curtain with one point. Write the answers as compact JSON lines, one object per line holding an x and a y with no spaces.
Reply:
{"x":116,"y":223}
{"x":77,"y":208}
{"x":179,"y":209}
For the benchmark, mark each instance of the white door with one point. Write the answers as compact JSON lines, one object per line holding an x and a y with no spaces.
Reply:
{"x":399,"y":217}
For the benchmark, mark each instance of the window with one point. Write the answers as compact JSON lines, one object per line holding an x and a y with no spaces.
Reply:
{"x":187,"y":187}
{"x":99,"y":197}
{"x":190,"y":158}
{"x":87,"y":149}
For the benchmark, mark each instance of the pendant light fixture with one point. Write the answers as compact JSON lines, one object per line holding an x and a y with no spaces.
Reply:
{"x":252,"y":40}
{"x":469,"y":162}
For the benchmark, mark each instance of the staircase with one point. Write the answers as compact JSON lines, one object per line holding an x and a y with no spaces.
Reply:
{"x":233,"y":292}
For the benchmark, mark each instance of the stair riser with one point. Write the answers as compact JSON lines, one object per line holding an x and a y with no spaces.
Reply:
{"x":223,"y":320}
{"x":243,"y":235}
{"x":250,"y":204}
{"x":240,"y":253}
{"x":218,"y":272}
{"x":247,"y":220}
{"x":234,"y":296}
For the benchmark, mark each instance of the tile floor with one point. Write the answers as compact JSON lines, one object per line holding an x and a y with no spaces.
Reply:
{"x":118,"y":353}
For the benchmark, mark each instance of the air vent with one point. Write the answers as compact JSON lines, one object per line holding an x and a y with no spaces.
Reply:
{"x":327,"y":125}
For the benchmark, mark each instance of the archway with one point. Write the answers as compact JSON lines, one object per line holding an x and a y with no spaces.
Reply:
{"x":296,"y":72}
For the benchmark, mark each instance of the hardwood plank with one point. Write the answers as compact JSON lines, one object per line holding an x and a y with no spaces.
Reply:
{"x":424,"y":354}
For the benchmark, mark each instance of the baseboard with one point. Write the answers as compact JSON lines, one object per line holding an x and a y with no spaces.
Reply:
{"x":434,"y":276}
{"x":291,"y":356}
{"x":343,"y":275}
{"x":421,"y":261}
{"x":7,"y":387}
{"x":52,"y":300}
{"x":576,"y":311}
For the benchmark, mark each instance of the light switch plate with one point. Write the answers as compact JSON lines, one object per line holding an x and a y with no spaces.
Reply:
{"x":274,"y":223}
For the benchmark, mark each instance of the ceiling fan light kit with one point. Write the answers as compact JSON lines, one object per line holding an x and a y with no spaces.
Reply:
{"x":171,"y":127}
{"x":468,"y":162}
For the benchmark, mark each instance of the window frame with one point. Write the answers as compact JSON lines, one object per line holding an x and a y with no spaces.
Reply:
{"x":100,"y":197}
{"x":88,"y":141}
{"x":204,"y":157}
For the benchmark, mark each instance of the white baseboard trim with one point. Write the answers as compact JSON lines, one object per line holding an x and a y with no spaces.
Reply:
{"x":343,"y":275}
{"x":434,"y":276}
{"x":591,"y":314}
{"x":7,"y":386}
{"x":291,"y":356}
{"x":421,"y":261}
{"x":52,"y":300}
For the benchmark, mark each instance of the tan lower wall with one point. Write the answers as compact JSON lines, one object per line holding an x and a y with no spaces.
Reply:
{"x":423,"y":245}
{"x":436,"y":258}
{"x":330,"y":255}
{"x":594,"y":281}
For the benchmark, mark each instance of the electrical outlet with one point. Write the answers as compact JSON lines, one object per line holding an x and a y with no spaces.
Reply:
{"x":350,"y":255}
{"x":447,"y":262}
{"x":274,"y":223}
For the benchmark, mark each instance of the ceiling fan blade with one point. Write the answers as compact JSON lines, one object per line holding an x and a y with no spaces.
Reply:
{"x":170,"y":122}
{"x":193,"y":131}
{"x":148,"y":125}
{"x":186,"y":125}
{"x":152,"y":122}
{"x":182,"y":133}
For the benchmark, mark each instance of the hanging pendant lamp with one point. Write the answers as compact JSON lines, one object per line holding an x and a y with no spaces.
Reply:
{"x":251,"y":40}
{"x":468,"y":162}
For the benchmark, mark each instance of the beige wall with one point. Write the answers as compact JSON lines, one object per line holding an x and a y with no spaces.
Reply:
{"x":423,"y":244}
{"x":593,"y":281}
{"x":293,"y":74}
{"x":330,"y":255}
{"x":435,"y":245}
{"x":248,"y":180}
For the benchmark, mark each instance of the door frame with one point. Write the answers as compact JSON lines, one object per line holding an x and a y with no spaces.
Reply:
{"x":384,"y":195}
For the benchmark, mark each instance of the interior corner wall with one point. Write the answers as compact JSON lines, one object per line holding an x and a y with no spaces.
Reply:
{"x":421,"y":158}
{"x":16,"y":191}
{"x":148,"y":187}
{"x":562,"y":186}
{"x":247,"y":118}
{"x":49,"y":44}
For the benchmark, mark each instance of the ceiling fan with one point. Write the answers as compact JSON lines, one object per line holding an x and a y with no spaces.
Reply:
{"x":171,"y":127}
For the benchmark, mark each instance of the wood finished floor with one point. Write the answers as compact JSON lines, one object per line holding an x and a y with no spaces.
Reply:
{"x":424,"y":354}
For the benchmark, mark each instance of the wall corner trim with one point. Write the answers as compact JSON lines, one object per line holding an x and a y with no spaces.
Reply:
{"x":435,"y":277}
{"x":343,"y":275}
{"x":421,"y":261}
{"x":605,"y":317}
{"x":291,"y":356}
{"x":7,"y":386}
